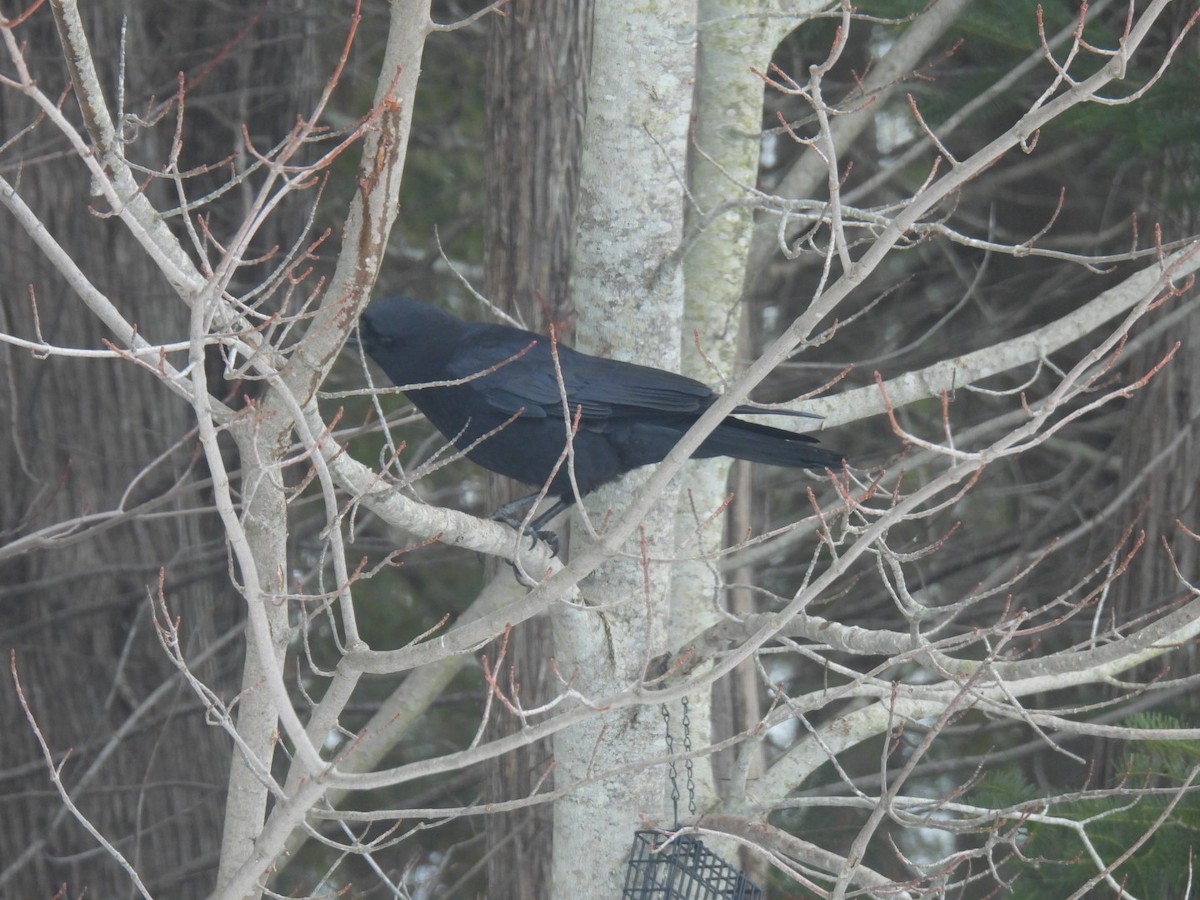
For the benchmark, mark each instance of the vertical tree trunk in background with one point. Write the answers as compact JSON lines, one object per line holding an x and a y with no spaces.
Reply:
{"x":538,"y":58}
{"x":1166,"y":411}
{"x":76,"y":436}
{"x":1161,"y":456}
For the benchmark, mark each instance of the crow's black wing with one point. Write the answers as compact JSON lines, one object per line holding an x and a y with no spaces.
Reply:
{"x":522,"y":376}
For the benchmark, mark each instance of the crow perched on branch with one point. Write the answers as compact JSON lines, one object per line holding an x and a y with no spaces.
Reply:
{"x":497,"y":393}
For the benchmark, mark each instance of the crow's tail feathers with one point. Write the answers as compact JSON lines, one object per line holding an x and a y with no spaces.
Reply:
{"x":772,"y":446}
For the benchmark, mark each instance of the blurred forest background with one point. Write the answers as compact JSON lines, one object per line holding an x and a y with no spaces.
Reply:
{"x":149,"y":770}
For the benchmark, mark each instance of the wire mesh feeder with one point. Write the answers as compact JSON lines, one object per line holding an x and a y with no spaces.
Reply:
{"x":683,"y":868}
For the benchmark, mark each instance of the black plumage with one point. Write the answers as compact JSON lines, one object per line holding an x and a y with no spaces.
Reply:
{"x":630,"y":415}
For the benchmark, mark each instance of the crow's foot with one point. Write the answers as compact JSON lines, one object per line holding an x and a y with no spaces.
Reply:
{"x":549,"y":538}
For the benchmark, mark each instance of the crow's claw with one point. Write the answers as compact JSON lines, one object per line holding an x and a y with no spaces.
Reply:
{"x":549,"y":538}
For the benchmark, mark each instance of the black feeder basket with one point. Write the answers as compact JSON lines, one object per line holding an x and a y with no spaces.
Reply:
{"x":681,"y":868}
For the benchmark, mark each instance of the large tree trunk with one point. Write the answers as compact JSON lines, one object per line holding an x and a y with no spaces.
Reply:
{"x":538,"y":60}
{"x":628,"y":288}
{"x":87,"y":437}
{"x":1160,"y":457}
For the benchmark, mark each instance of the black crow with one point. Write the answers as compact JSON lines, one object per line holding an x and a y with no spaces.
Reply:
{"x":494,"y":391}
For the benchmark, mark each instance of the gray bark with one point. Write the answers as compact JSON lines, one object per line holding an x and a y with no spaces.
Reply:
{"x":628,"y":290}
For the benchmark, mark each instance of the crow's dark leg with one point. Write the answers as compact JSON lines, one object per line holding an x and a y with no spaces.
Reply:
{"x":513,"y":514}
{"x":552,"y":513}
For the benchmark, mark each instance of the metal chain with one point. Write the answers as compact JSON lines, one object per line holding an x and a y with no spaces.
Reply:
{"x":672,"y":774}
{"x":672,"y":771}
{"x":687,"y":763}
